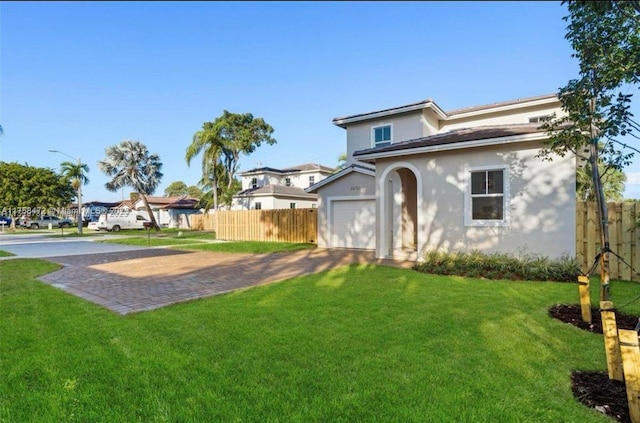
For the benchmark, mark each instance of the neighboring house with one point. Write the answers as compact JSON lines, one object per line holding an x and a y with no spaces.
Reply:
{"x":91,"y":211}
{"x":268,"y":188}
{"x":171,"y":212}
{"x":419,"y":178}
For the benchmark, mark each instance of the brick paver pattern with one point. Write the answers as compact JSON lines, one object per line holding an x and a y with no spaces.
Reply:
{"x":135,"y":281}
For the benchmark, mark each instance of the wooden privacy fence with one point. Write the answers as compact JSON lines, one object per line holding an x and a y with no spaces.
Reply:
{"x":624,"y":237}
{"x":286,"y":225}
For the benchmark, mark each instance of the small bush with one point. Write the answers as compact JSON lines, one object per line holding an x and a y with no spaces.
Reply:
{"x":500,"y":266}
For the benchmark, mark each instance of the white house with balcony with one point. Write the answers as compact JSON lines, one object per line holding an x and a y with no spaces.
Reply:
{"x":421,"y":178}
{"x":270,"y":188}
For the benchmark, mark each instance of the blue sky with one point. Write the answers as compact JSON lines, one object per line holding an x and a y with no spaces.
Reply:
{"x":81,"y":76}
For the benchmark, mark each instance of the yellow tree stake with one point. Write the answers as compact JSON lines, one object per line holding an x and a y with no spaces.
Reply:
{"x":585,"y":299}
{"x":611,"y":343}
{"x":631,"y":363}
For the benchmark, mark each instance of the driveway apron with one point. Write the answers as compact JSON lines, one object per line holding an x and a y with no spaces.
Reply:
{"x":141,"y":280}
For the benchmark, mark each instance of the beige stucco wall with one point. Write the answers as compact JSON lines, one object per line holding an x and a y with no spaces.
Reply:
{"x":354,"y":184}
{"x":500,"y":118}
{"x":405,"y":127}
{"x":263,"y":179}
{"x":300,"y":180}
{"x":541,"y":207}
{"x":271,"y":202}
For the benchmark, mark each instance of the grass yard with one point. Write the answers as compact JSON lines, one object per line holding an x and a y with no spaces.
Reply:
{"x":250,"y":247}
{"x":5,"y":253}
{"x":204,"y":243}
{"x":359,"y":343}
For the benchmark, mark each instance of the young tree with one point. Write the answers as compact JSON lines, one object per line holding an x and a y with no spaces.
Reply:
{"x":76,"y":174}
{"x":605,"y":37}
{"x":130,"y":164}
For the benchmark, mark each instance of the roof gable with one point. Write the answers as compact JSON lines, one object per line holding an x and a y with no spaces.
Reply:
{"x":344,"y":172}
{"x":343,"y":122}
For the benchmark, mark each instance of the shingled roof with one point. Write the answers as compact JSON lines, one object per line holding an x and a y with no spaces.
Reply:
{"x":458,"y":136}
{"x":293,"y":169}
{"x":275,"y":190}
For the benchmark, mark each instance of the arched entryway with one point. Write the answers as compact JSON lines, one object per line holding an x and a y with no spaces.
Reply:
{"x":400,"y":201}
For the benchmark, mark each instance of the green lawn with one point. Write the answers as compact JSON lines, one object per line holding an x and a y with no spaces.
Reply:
{"x":5,"y":253}
{"x":359,"y":343}
{"x":204,"y":243}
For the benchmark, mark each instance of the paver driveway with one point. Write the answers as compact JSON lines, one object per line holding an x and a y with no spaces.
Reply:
{"x":141,"y":280}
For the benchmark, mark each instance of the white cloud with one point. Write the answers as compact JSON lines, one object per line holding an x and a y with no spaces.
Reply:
{"x":633,"y":178}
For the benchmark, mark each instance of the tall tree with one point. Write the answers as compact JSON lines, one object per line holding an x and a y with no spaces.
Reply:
{"x":605,"y":37}
{"x":240,"y":133}
{"x":194,"y":192}
{"x":32,"y":190}
{"x":130,"y":164}
{"x":207,"y":142}
{"x":76,"y":174}
{"x":179,"y":188}
{"x":175,"y":188}
{"x":222,"y":142}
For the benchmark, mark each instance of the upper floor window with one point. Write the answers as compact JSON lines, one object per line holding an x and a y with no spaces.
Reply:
{"x":287,"y":181}
{"x":254,"y":182}
{"x":312,"y":180}
{"x":292,"y":205}
{"x":258,"y":206}
{"x":381,"y":135}
{"x":486,"y":199}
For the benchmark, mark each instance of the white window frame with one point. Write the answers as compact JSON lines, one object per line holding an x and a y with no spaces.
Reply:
{"x":312,"y":180}
{"x":254,"y":184}
{"x":373,"y":134}
{"x":468,"y":205}
{"x":292,"y":205}
{"x":257,"y":205}
{"x":287,"y":182}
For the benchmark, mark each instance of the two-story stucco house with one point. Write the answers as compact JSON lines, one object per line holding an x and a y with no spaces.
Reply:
{"x":421,"y":178}
{"x":269,"y":188}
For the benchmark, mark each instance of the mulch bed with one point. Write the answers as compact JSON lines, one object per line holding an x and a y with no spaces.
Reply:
{"x":594,"y":389}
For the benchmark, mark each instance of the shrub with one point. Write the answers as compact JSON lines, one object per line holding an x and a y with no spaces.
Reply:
{"x":500,"y":266}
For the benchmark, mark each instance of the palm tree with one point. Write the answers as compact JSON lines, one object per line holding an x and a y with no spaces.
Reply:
{"x":76,"y":173}
{"x":342,"y":162}
{"x":612,"y":181}
{"x":207,"y":142}
{"x":130,"y":164}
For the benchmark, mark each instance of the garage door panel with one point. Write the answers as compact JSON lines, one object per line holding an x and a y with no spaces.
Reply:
{"x":354,"y":224}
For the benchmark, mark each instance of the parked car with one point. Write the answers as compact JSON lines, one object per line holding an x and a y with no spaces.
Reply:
{"x":35,"y":222}
{"x":5,"y":221}
{"x":115,"y":222}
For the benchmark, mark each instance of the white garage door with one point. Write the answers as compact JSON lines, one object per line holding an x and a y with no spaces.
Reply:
{"x":353,"y":224}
